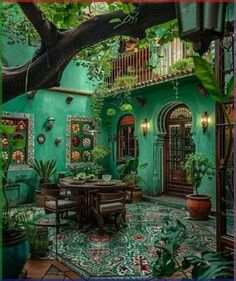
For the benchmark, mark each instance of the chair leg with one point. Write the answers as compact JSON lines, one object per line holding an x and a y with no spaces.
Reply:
{"x":100,"y":222}
{"x":124,"y":216}
{"x":57,"y":223}
{"x":116,"y":222}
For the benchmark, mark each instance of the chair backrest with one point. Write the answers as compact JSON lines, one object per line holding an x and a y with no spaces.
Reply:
{"x":50,"y":189}
{"x":109,"y":197}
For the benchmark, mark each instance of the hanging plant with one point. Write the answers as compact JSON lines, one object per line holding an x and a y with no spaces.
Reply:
{"x":103,"y":93}
{"x":107,"y":122}
{"x":111,"y":111}
{"x":126,"y":107}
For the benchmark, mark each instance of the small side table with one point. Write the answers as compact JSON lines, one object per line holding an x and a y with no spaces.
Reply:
{"x":16,"y":187}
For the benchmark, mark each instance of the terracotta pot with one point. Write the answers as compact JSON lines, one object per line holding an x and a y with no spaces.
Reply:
{"x":137,"y":195}
{"x":199,"y":206}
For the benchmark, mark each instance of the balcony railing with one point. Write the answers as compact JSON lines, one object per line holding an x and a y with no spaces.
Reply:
{"x":148,"y":64}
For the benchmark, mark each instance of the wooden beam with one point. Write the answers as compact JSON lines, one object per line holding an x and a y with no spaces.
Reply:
{"x":71,"y":91}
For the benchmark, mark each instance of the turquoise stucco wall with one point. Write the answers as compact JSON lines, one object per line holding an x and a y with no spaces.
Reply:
{"x":47,"y":103}
{"x":157,"y":98}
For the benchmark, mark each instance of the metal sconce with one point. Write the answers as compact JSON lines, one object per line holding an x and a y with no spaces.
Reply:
{"x":69,"y":99}
{"x":200,"y":23}
{"x":50,"y":123}
{"x":144,"y":126}
{"x":205,"y":121}
{"x":57,"y":141}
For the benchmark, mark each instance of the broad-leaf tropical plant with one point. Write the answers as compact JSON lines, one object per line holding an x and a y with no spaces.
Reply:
{"x":207,"y":265}
{"x":8,"y":131}
{"x":129,"y":169}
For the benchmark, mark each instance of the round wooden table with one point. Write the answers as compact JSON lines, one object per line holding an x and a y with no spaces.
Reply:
{"x":83,"y":193}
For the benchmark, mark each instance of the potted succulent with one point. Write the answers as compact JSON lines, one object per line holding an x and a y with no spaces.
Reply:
{"x":197,"y":166}
{"x":15,"y":250}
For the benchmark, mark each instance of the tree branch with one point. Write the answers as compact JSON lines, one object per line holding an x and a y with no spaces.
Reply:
{"x":46,"y":68}
{"x":46,"y":29}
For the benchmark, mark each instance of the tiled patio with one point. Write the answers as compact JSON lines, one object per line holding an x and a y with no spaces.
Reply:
{"x":131,"y":251}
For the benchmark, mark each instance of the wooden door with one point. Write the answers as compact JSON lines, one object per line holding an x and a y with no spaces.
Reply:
{"x":178,"y":146}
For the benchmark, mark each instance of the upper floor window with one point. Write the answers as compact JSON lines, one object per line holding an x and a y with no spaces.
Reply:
{"x":127,"y":144}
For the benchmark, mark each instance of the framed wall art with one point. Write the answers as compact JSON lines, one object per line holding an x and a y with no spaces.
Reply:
{"x":80,"y":140}
{"x":24,"y":129}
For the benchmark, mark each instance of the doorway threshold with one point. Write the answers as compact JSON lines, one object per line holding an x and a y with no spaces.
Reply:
{"x":167,"y":200}
{"x":171,"y":201}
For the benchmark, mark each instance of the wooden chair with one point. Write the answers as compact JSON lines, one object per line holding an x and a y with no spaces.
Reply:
{"x":109,"y":204}
{"x":53,"y":203}
{"x":129,"y":194}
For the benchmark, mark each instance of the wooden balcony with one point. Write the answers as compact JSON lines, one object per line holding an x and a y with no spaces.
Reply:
{"x":147,"y":64}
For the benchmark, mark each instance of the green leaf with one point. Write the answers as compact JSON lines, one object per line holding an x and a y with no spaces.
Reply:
{"x":204,"y":72}
{"x":115,"y":20}
{"x":7,"y":129}
{"x":111,"y":112}
{"x":19,"y":143}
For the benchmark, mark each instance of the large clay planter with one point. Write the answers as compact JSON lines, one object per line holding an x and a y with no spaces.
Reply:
{"x":15,"y":253}
{"x":199,"y":206}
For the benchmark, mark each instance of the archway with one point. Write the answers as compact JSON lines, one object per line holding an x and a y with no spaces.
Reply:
{"x":178,"y":145}
{"x":173,"y":143}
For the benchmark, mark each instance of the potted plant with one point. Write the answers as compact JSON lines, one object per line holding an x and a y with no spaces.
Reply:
{"x":197,"y":166}
{"x":129,"y":171}
{"x":45,"y":170}
{"x":15,"y":245}
{"x":99,"y":155}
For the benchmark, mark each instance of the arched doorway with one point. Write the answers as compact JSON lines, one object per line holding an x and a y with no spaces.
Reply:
{"x":178,"y":144}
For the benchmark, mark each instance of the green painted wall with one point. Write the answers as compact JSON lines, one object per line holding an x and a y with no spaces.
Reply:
{"x":48,"y":103}
{"x":158,"y":97}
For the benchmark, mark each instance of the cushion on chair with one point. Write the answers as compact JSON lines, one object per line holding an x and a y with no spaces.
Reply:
{"x":61,"y":204}
{"x":117,"y":206}
{"x":128,"y":195}
{"x":65,"y":193}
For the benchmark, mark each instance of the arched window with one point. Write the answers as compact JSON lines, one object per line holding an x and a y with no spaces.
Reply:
{"x":127,"y":145}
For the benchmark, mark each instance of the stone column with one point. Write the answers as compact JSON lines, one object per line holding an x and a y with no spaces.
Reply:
{"x":158,"y":162}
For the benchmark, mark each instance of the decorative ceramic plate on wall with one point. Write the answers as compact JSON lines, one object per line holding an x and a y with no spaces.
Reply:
{"x":76,"y":141}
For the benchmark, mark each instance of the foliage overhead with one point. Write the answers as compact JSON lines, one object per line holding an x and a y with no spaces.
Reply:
{"x":63,"y":31}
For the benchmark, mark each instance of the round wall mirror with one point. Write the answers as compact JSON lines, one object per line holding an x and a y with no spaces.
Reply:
{"x":41,"y":138}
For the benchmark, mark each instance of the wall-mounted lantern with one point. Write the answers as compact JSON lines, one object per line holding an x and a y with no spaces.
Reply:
{"x":69,"y":99}
{"x":50,"y":123}
{"x":144,"y":127}
{"x":205,"y":122}
{"x":57,"y":141}
{"x":200,"y":23}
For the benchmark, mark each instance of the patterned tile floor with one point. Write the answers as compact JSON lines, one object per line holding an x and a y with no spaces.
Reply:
{"x":130,"y":252}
